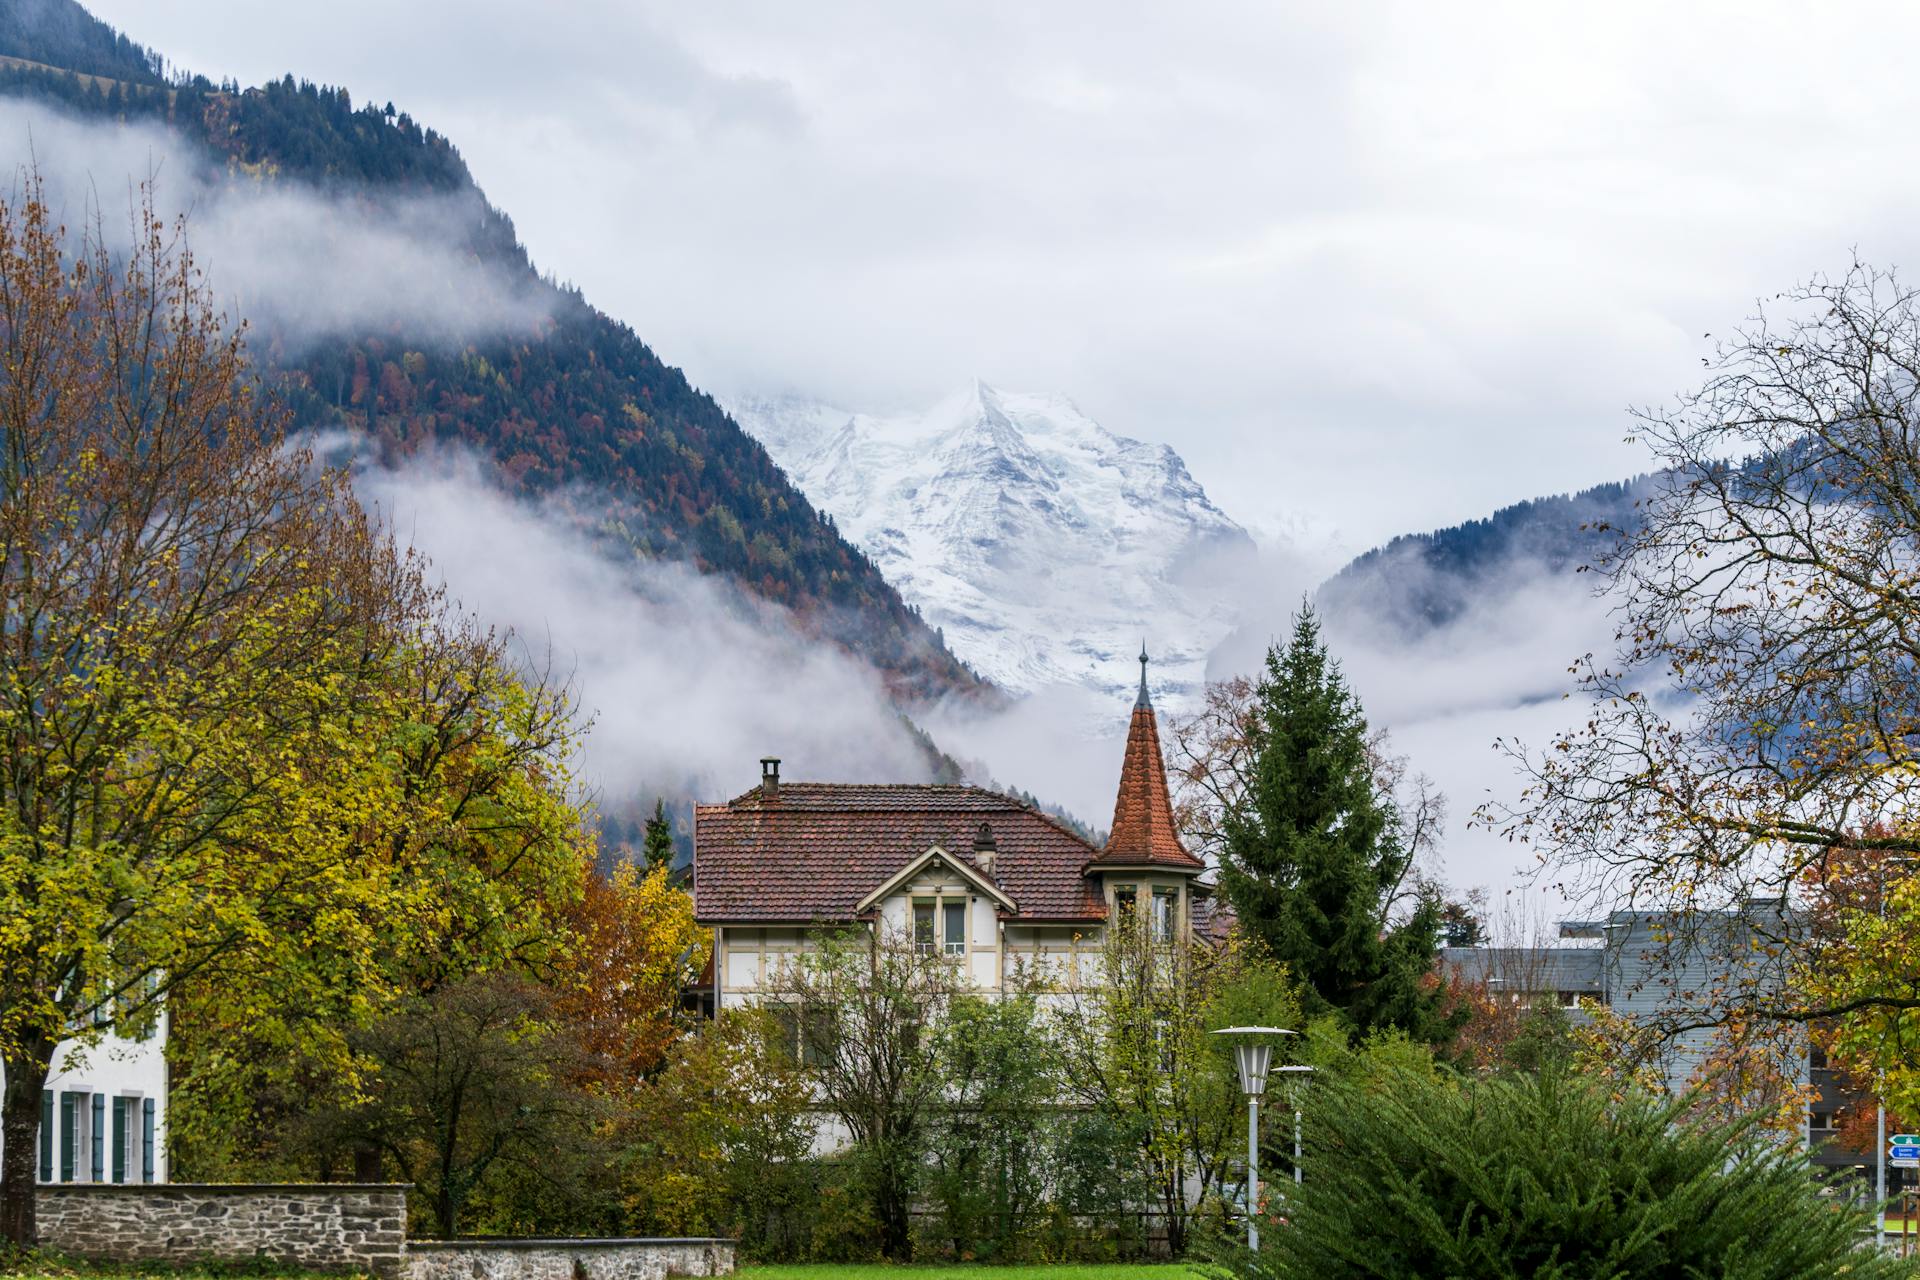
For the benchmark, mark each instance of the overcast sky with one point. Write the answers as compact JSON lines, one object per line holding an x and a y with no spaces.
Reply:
{"x":1370,"y":268}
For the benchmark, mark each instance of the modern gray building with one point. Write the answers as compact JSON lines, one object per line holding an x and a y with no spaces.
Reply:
{"x":1677,"y":974}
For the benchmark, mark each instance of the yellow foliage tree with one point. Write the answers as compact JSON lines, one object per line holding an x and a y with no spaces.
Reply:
{"x":243,"y":750}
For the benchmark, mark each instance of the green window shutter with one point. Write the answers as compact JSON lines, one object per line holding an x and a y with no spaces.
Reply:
{"x":99,"y":1163}
{"x":69,"y":1134}
{"x":46,"y":1135}
{"x":146,"y":1139}
{"x":120,"y":1139}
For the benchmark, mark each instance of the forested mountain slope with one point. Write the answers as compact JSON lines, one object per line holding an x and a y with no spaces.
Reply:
{"x":63,"y":34}
{"x":572,"y":407}
{"x":1421,"y":581}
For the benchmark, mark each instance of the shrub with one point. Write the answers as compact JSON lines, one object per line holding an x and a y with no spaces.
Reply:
{"x":1411,"y":1174}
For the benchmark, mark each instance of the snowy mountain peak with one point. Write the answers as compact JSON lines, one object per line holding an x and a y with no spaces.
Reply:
{"x":1040,"y":542}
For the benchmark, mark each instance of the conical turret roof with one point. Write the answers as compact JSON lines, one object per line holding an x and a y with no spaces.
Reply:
{"x":1143,"y":833}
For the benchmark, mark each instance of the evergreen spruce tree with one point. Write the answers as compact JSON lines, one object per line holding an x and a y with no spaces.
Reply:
{"x":1315,"y":854}
{"x":656,"y":848}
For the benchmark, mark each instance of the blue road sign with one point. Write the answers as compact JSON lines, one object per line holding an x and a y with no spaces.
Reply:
{"x":1904,"y":1153}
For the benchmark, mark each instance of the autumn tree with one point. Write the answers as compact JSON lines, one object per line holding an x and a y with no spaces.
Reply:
{"x":864,"y":1006}
{"x":719,"y":1141}
{"x":1760,"y":715}
{"x":475,"y":1073}
{"x":1136,"y":1037}
{"x":474,"y":864}
{"x":632,"y":947}
{"x":1862,"y":907}
{"x":210,"y":774}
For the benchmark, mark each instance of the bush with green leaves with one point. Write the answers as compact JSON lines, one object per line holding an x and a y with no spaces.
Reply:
{"x":1415,"y":1174}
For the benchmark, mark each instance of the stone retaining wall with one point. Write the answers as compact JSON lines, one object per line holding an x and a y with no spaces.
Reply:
{"x":636,"y":1259}
{"x":315,"y":1226}
{"x":354,"y":1227}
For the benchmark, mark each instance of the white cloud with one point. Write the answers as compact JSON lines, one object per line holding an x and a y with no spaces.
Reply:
{"x":1371,"y":269}
{"x":688,"y":682}
{"x":298,"y":262}
{"x":1374,"y":268}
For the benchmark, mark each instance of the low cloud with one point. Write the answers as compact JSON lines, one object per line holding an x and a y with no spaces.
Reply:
{"x":1496,"y":670}
{"x":688,"y":682}
{"x":298,"y":262}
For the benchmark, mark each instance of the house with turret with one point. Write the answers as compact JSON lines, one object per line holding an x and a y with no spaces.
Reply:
{"x":996,"y":886}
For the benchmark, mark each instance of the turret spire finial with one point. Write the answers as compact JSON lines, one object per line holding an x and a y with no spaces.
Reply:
{"x":1143,"y":700}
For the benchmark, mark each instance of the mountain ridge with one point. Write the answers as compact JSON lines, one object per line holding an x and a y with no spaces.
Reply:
{"x":582,"y":402}
{"x":1043,"y":546}
{"x":1419,"y":582}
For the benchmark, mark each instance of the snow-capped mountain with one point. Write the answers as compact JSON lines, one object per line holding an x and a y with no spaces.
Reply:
{"x":1044,"y":546}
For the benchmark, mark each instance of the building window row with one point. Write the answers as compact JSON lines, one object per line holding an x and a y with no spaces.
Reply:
{"x":85,"y":1137}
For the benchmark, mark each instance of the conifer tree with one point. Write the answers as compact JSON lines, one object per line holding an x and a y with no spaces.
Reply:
{"x":656,"y":848}
{"x":1544,"y":1175}
{"x":1315,"y":856}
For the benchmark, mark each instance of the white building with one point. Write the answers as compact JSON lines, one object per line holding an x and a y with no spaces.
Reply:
{"x":103,"y":1113}
{"x":969,"y":873}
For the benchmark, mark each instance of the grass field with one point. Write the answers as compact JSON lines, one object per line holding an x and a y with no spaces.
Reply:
{"x":1060,"y":1271}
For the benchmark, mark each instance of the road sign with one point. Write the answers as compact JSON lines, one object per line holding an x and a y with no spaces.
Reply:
{"x":1900,"y":1152}
{"x":1904,"y":1140}
{"x":1904,"y":1163}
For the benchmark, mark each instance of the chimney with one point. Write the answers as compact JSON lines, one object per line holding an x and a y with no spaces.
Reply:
{"x":769,"y":779}
{"x":984,"y":849}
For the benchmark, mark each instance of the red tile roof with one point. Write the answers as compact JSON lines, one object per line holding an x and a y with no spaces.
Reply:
{"x":1143,"y":832}
{"x":816,"y":851}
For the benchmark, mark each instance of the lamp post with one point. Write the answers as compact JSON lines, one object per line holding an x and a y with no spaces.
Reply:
{"x":1301,"y":1071}
{"x":1253,"y":1056}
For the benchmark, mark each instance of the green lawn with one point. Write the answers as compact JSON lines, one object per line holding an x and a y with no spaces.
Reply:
{"x":1058,"y":1271}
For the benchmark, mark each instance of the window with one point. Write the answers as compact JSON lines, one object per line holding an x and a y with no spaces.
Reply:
{"x":1125,"y":900}
{"x":954,"y":932}
{"x":1164,"y":915}
{"x":940,"y":926}
{"x":1820,"y":1120}
{"x":1570,"y":999}
{"x":807,"y":1034}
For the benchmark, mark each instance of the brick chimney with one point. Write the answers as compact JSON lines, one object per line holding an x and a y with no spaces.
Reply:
{"x":769,"y":779}
{"x":984,"y":849}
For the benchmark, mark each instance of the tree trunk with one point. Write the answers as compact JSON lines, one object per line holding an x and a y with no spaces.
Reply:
{"x":19,"y":1140}
{"x":368,"y":1166}
{"x":894,"y":1201}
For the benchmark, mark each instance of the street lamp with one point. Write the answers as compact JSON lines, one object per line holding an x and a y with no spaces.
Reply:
{"x":1253,"y":1056}
{"x":1296,"y":1118}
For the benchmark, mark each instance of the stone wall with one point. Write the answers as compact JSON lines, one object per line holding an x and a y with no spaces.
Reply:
{"x":636,"y":1259}
{"x":316,"y":1226}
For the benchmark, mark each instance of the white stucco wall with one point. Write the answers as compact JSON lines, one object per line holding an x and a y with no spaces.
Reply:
{"x":112,"y":1067}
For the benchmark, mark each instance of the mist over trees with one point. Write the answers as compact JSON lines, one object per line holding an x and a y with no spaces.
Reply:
{"x":580,"y":402}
